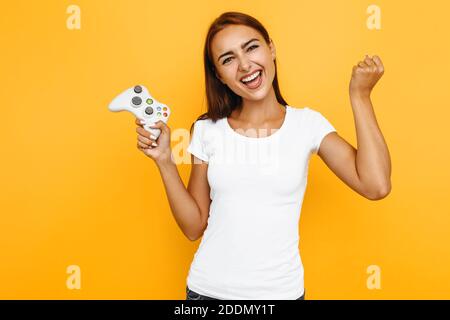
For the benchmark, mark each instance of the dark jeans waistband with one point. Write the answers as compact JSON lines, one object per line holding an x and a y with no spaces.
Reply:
{"x":192,"y":295}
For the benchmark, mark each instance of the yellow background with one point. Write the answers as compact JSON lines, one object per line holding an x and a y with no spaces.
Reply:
{"x":76,"y":191}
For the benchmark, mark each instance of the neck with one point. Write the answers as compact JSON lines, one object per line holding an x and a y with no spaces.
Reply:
{"x":258,"y":112}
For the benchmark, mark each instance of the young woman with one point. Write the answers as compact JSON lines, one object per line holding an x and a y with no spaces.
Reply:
{"x":248,"y":210}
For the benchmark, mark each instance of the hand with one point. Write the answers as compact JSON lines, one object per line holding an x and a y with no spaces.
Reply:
{"x":159,"y":149}
{"x":365,"y":75}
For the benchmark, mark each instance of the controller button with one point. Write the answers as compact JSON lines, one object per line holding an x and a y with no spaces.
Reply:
{"x":149,"y":101}
{"x":165,"y":109}
{"x":165,"y":114}
{"x":159,"y":113}
{"x":136,"y":101}
{"x":138,"y":89}
{"x":159,"y":108}
{"x":149,"y":110}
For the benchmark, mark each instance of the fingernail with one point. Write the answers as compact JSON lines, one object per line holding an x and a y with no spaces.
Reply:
{"x":142,"y":121}
{"x":152,"y":137}
{"x":154,"y":144}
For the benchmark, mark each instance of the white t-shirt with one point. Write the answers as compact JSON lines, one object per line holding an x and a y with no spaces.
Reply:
{"x":249,"y":249}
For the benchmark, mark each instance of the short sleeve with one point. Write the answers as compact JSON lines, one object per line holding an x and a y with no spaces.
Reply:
{"x":320,"y":127}
{"x":196,"y":146}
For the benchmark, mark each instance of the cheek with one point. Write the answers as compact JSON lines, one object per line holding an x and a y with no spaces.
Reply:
{"x":267,"y":63}
{"x":229,"y":72}
{"x":269,"y":68}
{"x":228,"y":77}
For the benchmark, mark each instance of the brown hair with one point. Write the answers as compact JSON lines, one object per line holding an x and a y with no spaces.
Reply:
{"x":221,"y":101}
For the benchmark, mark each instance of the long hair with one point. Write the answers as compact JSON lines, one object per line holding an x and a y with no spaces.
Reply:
{"x":221,"y":101}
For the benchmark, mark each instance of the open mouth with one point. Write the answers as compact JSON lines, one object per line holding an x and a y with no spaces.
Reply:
{"x":253,"y":81}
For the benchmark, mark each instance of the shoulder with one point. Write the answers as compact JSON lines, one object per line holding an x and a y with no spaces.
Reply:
{"x":311,"y":120}
{"x":306,"y":112}
{"x":303,"y":113}
{"x":206,"y":124}
{"x":207,"y":128}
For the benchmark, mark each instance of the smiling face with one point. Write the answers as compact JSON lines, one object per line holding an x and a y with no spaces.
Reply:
{"x":238,"y":51}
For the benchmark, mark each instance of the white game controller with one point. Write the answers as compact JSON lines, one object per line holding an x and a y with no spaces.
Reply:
{"x":138,"y":101}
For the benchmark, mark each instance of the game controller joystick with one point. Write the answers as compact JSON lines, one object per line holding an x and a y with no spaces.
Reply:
{"x":138,"y":101}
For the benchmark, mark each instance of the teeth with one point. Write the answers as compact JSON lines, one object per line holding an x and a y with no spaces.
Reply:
{"x":250,"y":78}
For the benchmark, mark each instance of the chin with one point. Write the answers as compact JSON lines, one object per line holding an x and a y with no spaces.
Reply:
{"x":260,"y":94}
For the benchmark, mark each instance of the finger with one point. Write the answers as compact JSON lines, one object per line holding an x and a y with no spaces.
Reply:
{"x":160,"y":125}
{"x":141,"y":146}
{"x":362,"y":64}
{"x":369,"y":61}
{"x":372,"y":66}
{"x":145,"y":140}
{"x":143,"y":132}
{"x":138,"y":122}
{"x":379,"y":63}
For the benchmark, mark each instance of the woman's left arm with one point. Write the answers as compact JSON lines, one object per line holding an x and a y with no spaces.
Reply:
{"x":366,"y":169}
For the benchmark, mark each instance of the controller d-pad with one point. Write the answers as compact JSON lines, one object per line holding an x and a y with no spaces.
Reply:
{"x":138,"y":89}
{"x":136,"y":101}
{"x":149,"y":110}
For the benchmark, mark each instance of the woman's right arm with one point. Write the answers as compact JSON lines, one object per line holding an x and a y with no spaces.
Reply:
{"x":190,"y":207}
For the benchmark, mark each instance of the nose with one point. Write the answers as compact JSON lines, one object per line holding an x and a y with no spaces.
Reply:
{"x":244,"y":64}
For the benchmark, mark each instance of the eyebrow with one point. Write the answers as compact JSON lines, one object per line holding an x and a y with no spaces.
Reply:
{"x":242,"y":46}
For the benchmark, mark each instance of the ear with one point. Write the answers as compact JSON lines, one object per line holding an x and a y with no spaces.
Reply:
{"x":272,"y":49}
